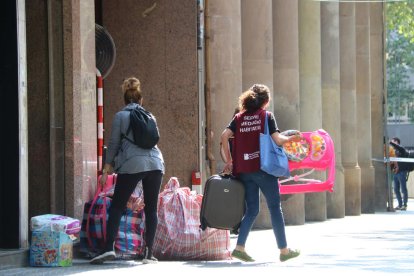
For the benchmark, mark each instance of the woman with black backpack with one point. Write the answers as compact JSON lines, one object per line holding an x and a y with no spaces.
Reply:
{"x":134,"y":158}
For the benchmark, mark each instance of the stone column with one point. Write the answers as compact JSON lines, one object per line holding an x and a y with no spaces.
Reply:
{"x":56,"y":103}
{"x":349,"y":143}
{"x":378,"y":98}
{"x":310,"y":90}
{"x":257,"y":43}
{"x":286,"y":87}
{"x":257,"y":62}
{"x":223,"y":42}
{"x":331,"y":106}
{"x":363,"y":94}
{"x":80,"y":104}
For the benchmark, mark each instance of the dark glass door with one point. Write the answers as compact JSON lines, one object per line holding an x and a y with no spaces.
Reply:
{"x":9,"y":129}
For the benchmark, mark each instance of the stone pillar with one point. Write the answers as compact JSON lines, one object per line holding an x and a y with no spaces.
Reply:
{"x":223,"y":42}
{"x":56,"y":103}
{"x":310,"y":90}
{"x":378,"y":97}
{"x":80,"y":104}
{"x":286,"y":88}
{"x":257,"y":63}
{"x":257,"y":43}
{"x":349,"y":143}
{"x":363,"y":94}
{"x":331,"y":106}
{"x":38,"y":100}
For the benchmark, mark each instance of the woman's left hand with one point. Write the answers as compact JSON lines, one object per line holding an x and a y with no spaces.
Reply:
{"x":296,"y":137}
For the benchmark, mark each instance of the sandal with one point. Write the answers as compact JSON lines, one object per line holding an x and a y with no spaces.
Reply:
{"x":241,"y":255}
{"x":291,"y":254}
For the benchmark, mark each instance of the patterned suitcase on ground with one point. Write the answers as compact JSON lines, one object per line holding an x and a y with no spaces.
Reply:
{"x":223,"y":203}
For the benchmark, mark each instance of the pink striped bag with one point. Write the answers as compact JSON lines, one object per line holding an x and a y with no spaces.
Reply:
{"x":179,"y":236}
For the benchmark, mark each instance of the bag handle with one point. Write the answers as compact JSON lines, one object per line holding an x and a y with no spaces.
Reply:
{"x":226,"y":175}
{"x":266,"y":126}
{"x":95,"y":198}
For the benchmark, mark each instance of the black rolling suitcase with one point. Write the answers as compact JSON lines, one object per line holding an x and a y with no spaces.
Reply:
{"x":223,"y":203}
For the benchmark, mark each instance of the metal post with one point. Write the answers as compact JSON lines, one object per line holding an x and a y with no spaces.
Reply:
{"x":390,"y":207}
{"x":99,"y":80}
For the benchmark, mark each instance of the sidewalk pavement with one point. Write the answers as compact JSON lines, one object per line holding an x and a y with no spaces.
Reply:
{"x":369,"y":244}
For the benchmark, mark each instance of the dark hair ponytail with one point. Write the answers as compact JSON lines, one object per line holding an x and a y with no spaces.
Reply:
{"x":256,"y":97}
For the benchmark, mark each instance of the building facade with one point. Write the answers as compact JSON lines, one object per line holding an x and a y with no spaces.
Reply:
{"x":324,"y":62}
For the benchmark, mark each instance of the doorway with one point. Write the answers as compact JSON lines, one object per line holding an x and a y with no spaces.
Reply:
{"x":9,"y":159}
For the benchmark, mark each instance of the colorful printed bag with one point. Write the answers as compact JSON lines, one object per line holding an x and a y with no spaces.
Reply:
{"x":56,"y":223}
{"x":179,"y":236}
{"x":130,"y":239}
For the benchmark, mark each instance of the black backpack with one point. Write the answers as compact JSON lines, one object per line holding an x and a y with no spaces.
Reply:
{"x":404,"y":153}
{"x":144,"y":128}
{"x":409,"y":166}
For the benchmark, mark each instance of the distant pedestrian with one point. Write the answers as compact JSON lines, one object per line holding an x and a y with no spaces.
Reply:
{"x":400,"y":170}
{"x":133,"y":164}
{"x":244,"y":162}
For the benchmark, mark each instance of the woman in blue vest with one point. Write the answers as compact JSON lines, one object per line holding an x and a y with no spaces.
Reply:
{"x":244,"y":163}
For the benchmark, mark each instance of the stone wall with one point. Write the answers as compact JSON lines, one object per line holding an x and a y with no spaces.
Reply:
{"x":157,"y":43}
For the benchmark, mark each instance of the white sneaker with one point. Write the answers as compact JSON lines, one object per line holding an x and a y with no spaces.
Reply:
{"x":149,"y":259}
{"x":109,"y":255}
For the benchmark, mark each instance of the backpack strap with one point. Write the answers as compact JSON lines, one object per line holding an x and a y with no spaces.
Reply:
{"x":125,"y":136}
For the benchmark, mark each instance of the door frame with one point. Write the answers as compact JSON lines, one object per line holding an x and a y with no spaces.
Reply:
{"x":23,"y":131}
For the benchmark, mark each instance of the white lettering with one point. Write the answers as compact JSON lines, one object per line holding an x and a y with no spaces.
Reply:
{"x":250,"y":129}
{"x":247,"y":123}
{"x":249,"y":156}
{"x":254,"y":117}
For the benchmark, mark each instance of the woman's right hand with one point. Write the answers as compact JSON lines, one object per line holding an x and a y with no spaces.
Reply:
{"x":106,"y":169}
{"x":103,"y":179}
{"x":228,"y":168}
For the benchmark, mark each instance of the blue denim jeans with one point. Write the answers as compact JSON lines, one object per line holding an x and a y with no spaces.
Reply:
{"x":253,"y":183}
{"x":400,"y":185}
